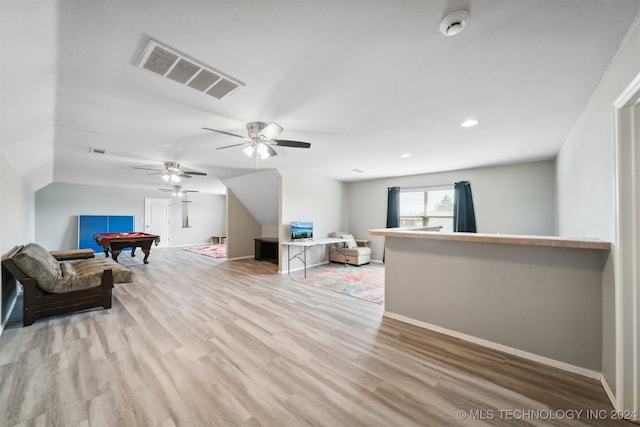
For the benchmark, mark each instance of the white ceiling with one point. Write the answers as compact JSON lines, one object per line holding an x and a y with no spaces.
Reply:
{"x":362,"y":81}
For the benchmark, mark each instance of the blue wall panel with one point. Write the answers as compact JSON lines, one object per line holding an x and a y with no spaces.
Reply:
{"x":88,"y":225}
{"x":120,"y":224}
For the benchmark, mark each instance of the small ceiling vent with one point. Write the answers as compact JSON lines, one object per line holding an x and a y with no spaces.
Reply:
{"x":169,"y":63}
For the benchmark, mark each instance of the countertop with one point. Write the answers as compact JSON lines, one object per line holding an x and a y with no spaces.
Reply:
{"x":506,"y":239}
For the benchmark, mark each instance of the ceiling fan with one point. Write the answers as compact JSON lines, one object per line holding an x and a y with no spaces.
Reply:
{"x":171,"y":172}
{"x":177,"y":190}
{"x":261,"y":140}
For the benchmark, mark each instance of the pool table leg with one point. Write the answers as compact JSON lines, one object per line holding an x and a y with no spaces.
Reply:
{"x":146,"y":255}
{"x":114,"y":254}
{"x":133,"y":251}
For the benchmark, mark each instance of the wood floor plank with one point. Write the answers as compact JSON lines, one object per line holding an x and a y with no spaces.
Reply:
{"x":196,"y":341}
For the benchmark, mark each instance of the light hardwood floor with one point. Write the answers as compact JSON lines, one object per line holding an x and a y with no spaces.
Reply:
{"x":201,"y":342}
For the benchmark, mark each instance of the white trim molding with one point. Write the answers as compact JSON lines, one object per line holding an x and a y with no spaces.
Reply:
{"x":626,"y":249}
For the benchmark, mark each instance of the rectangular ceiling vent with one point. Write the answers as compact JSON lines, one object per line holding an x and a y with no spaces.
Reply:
{"x":169,"y":63}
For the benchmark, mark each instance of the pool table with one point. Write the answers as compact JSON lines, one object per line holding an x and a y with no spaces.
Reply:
{"x":118,"y":241}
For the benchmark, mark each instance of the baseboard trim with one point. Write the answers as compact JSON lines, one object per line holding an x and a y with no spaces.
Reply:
{"x":241,"y":257}
{"x":595,"y":375}
{"x":610,"y":394}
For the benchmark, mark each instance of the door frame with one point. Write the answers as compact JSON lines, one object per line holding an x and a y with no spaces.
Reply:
{"x":626,"y":109}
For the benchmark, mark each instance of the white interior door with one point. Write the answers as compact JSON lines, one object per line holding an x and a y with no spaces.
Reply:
{"x":157,"y":219}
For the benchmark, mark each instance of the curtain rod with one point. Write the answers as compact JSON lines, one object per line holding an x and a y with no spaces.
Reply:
{"x":426,"y":187}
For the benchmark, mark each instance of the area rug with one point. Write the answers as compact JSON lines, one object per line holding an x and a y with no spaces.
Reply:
{"x":364,"y":282}
{"x":213,"y":251}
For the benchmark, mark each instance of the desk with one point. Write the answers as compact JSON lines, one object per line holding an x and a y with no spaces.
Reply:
{"x":306,"y":244}
{"x":118,"y":241}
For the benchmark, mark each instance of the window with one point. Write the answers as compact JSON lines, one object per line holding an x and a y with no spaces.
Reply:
{"x":427,"y":207}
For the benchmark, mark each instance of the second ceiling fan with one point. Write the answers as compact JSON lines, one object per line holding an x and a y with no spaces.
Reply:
{"x":261,"y":140}
{"x":171,"y":172}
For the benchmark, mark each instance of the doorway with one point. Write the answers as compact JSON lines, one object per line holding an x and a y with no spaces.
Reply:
{"x":627,"y":248}
{"x":157,"y":219}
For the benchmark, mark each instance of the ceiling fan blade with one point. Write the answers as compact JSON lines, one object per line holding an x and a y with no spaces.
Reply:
{"x":148,"y":169}
{"x":229,"y":146}
{"x":226,"y":133}
{"x":190,"y":191}
{"x":288,"y":143}
{"x":195,"y":173}
{"x":271,"y":131}
{"x":165,"y":189}
{"x":184,"y":175}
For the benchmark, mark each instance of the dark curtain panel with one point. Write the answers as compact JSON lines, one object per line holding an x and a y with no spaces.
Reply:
{"x":464,"y":217}
{"x":393,"y":207}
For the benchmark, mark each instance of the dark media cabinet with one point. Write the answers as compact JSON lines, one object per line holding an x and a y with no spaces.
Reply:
{"x":267,"y":249}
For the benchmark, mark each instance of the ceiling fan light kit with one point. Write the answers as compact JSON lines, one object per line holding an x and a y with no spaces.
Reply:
{"x":171,"y":177}
{"x":171,"y":172}
{"x":454,"y":23}
{"x":261,"y":140}
{"x":177,"y":191}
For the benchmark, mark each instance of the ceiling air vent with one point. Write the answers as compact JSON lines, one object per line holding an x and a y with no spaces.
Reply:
{"x":169,"y":63}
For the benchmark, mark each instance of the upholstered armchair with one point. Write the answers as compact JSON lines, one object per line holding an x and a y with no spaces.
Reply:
{"x":354,"y":254}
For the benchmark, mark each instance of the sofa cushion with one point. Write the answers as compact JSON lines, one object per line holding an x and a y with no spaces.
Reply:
{"x":55,"y":277}
{"x":357,"y":251}
{"x":36,"y":262}
{"x":96,"y":266}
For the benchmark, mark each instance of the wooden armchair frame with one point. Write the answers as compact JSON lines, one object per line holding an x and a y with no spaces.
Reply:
{"x":39,"y":303}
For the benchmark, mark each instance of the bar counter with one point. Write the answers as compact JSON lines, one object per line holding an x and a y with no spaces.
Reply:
{"x":535,"y":296}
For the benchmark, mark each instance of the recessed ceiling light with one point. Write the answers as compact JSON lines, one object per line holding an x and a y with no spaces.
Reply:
{"x":469,"y":123}
{"x":405,"y":155}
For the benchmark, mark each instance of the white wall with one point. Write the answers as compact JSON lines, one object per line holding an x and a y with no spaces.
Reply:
{"x":258,"y":192}
{"x":586,"y":188}
{"x":586,"y":179}
{"x":512,"y":199}
{"x":309,"y":198}
{"x":17,"y":202}
{"x":17,"y":220}
{"x":58,"y":205}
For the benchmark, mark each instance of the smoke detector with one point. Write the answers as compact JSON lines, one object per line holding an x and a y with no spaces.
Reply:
{"x":454,"y":23}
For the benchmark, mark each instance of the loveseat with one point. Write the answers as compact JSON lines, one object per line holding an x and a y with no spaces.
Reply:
{"x":352,"y":254}
{"x":52,"y":287}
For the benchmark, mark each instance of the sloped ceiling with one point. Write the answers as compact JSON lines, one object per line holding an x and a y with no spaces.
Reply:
{"x":363,"y":81}
{"x":259,"y":193}
{"x":28,"y":73}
